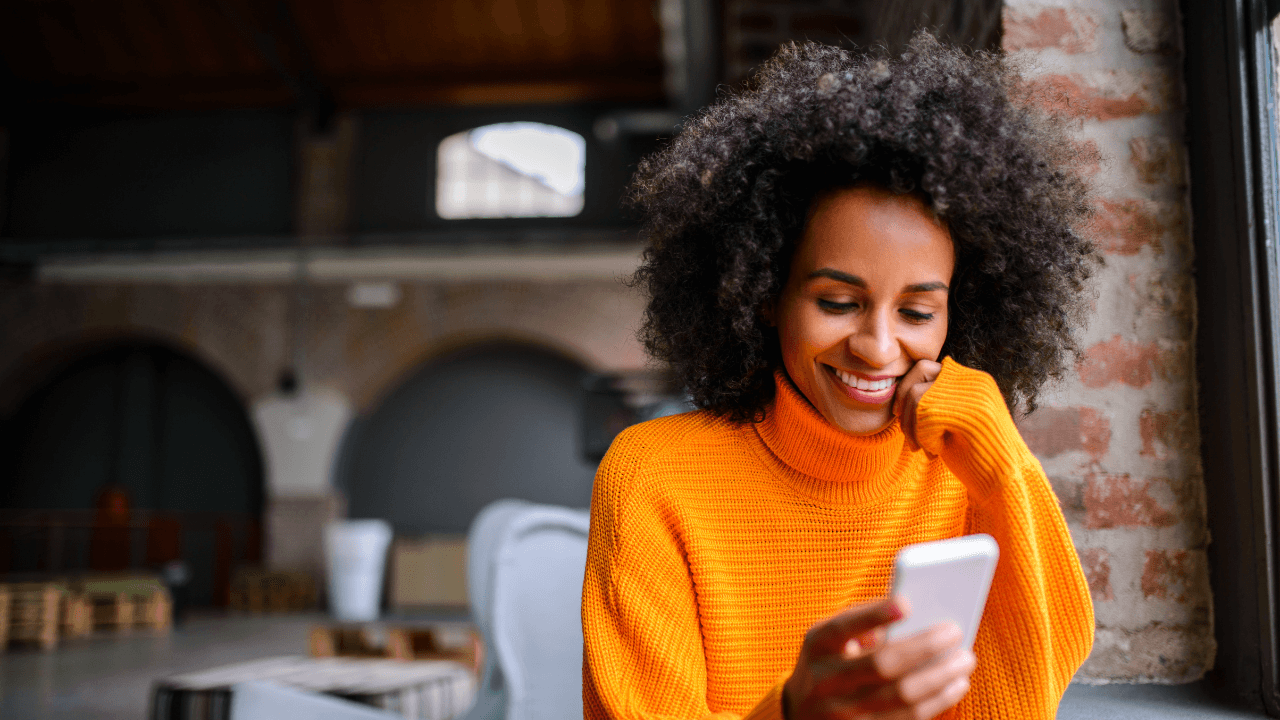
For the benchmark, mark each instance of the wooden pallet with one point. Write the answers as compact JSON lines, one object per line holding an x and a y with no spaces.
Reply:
{"x":34,"y":613}
{"x":6,"y":598}
{"x":256,"y":590}
{"x":127,"y":602}
{"x":392,"y":642}
{"x":75,"y":616}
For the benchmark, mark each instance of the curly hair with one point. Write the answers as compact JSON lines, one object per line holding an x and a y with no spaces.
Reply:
{"x":724,"y":205}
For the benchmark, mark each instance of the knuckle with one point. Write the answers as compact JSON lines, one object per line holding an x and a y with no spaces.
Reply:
{"x":900,"y":692}
{"x":812,"y":636}
{"x":881,"y":665}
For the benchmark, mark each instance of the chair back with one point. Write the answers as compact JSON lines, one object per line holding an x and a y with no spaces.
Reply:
{"x":482,"y":542}
{"x":536,"y":602}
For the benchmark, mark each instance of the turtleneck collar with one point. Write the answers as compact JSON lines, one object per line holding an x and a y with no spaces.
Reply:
{"x":830,"y":462}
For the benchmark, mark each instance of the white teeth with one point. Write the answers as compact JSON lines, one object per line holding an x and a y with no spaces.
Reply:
{"x":865,"y":385}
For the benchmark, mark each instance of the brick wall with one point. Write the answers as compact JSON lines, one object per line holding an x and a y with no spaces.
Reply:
{"x":1120,"y":440}
{"x":241,"y":330}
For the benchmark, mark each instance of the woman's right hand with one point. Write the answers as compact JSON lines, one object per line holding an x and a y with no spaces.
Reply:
{"x":847,"y":670}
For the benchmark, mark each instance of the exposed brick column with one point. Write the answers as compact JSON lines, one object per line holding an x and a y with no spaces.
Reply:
{"x":1121,"y":439}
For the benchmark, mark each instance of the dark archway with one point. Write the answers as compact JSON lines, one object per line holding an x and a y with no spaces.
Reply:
{"x":486,"y":422}
{"x":157,"y":425}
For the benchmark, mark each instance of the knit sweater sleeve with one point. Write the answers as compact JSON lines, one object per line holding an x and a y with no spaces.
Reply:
{"x":642,"y":645}
{"x":1038,"y":625}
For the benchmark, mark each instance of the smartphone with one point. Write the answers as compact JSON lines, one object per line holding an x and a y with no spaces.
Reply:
{"x":945,"y":580}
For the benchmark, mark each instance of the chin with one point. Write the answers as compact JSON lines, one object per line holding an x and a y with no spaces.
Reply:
{"x":860,"y":423}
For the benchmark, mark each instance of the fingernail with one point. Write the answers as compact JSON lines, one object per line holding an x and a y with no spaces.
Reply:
{"x":944,"y":636}
{"x":894,"y":611}
{"x":962,"y":661}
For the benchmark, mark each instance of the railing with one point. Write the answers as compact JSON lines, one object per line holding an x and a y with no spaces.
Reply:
{"x":38,"y":544}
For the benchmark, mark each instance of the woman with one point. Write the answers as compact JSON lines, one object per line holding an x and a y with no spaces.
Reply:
{"x":857,"y":268}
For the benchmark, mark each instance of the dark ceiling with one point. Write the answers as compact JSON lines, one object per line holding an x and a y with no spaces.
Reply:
{"x":205,"y":54}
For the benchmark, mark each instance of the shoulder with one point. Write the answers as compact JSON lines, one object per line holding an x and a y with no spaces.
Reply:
{"x":674,"y":437}
{"x":656,"y":461}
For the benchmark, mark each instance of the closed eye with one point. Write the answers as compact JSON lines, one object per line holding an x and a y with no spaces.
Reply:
{"x":836,"y":307}
{"x":916,"y":316}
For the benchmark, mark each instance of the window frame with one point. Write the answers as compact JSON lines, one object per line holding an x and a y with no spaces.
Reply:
{"x":394,"y":188}
{"x":1232,"y":154}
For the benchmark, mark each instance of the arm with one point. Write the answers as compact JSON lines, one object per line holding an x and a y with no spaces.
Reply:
{"x":1038,"y":625}
{"x":642,"y":646}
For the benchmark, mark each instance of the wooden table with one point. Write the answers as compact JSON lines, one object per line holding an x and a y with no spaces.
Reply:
{"x":426,"y":690}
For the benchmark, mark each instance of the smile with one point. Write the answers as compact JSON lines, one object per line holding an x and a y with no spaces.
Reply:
{"x":864,"y":390}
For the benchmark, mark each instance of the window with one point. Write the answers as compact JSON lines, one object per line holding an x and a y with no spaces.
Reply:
{"x":519,"y":169}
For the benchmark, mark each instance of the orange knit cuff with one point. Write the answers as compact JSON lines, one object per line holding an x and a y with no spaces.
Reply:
{"x":963,"y":420}
{"x":770,"y":706}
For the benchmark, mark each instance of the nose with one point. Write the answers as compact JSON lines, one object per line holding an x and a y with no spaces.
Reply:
{"x":873,"y":340}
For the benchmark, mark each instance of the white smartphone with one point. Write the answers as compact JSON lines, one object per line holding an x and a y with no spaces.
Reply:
{"x":945,"y":580}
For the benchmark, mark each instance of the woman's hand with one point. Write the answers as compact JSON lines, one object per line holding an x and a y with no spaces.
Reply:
{"x":846,"y":670}
{"x":911,"y":388}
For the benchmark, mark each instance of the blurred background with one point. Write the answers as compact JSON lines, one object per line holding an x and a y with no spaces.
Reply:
{"x":271,"y":263}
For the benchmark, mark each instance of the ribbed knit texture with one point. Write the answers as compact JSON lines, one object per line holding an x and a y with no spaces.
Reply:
{"x":715,"y":546}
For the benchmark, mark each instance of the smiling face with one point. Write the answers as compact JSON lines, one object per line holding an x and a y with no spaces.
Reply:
{"x":866,"y":298}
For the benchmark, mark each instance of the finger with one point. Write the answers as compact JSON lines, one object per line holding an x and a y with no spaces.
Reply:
{"x":910,"y":413}
{"x":923,"y":683}
{"x":935,"y":705}
{"x":922,"y":371}
{"x":882,"y":669}
{"x":829,"y":638}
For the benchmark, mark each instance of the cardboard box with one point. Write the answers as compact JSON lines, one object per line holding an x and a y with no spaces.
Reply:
{"x":428,"y":571}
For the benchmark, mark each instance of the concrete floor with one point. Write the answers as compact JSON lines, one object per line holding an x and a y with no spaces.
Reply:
{"x":110,"y":678}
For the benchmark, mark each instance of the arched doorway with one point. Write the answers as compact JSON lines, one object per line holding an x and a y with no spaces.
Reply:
{"x":486,"y":422}
{"x":155,"y":426}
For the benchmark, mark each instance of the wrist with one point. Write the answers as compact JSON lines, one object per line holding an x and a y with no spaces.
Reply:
{"x":963,"y":419}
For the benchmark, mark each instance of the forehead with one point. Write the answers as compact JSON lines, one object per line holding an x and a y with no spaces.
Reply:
{"x":866,"y":229}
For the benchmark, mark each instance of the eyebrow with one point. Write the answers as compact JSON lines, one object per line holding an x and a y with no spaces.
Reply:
{"x":856,"y":281}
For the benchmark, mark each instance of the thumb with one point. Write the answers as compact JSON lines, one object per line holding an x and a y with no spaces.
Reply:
{"x":833,"y":635}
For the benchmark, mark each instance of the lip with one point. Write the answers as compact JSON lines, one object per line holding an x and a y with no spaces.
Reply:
{"x":866,"y":397}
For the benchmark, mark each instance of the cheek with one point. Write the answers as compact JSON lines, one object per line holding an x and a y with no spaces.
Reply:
{"x":927,"y":344}
{"x":806,"y":334}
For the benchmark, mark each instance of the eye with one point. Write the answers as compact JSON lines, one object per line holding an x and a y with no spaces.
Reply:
{"x":837,"y":307}
{"x":915,"y":316}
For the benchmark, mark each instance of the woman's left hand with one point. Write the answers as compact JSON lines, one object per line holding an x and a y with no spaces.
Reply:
{"x":911,"y":388}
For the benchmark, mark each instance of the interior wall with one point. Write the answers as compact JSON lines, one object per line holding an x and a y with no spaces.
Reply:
{"x":115,"y":176}
{"x":485,"y":422}
{"x":139,"y":416}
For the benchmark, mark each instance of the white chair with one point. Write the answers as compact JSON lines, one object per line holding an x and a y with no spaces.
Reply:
{"x":527,"y":600}
{"x":537,"y":617}
{"x":482,"y":540}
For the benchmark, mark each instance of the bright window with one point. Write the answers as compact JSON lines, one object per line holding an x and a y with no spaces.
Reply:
{"x":519,"y":169}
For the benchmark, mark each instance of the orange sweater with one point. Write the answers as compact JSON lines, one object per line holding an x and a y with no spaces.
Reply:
{"x":715,"y":546}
